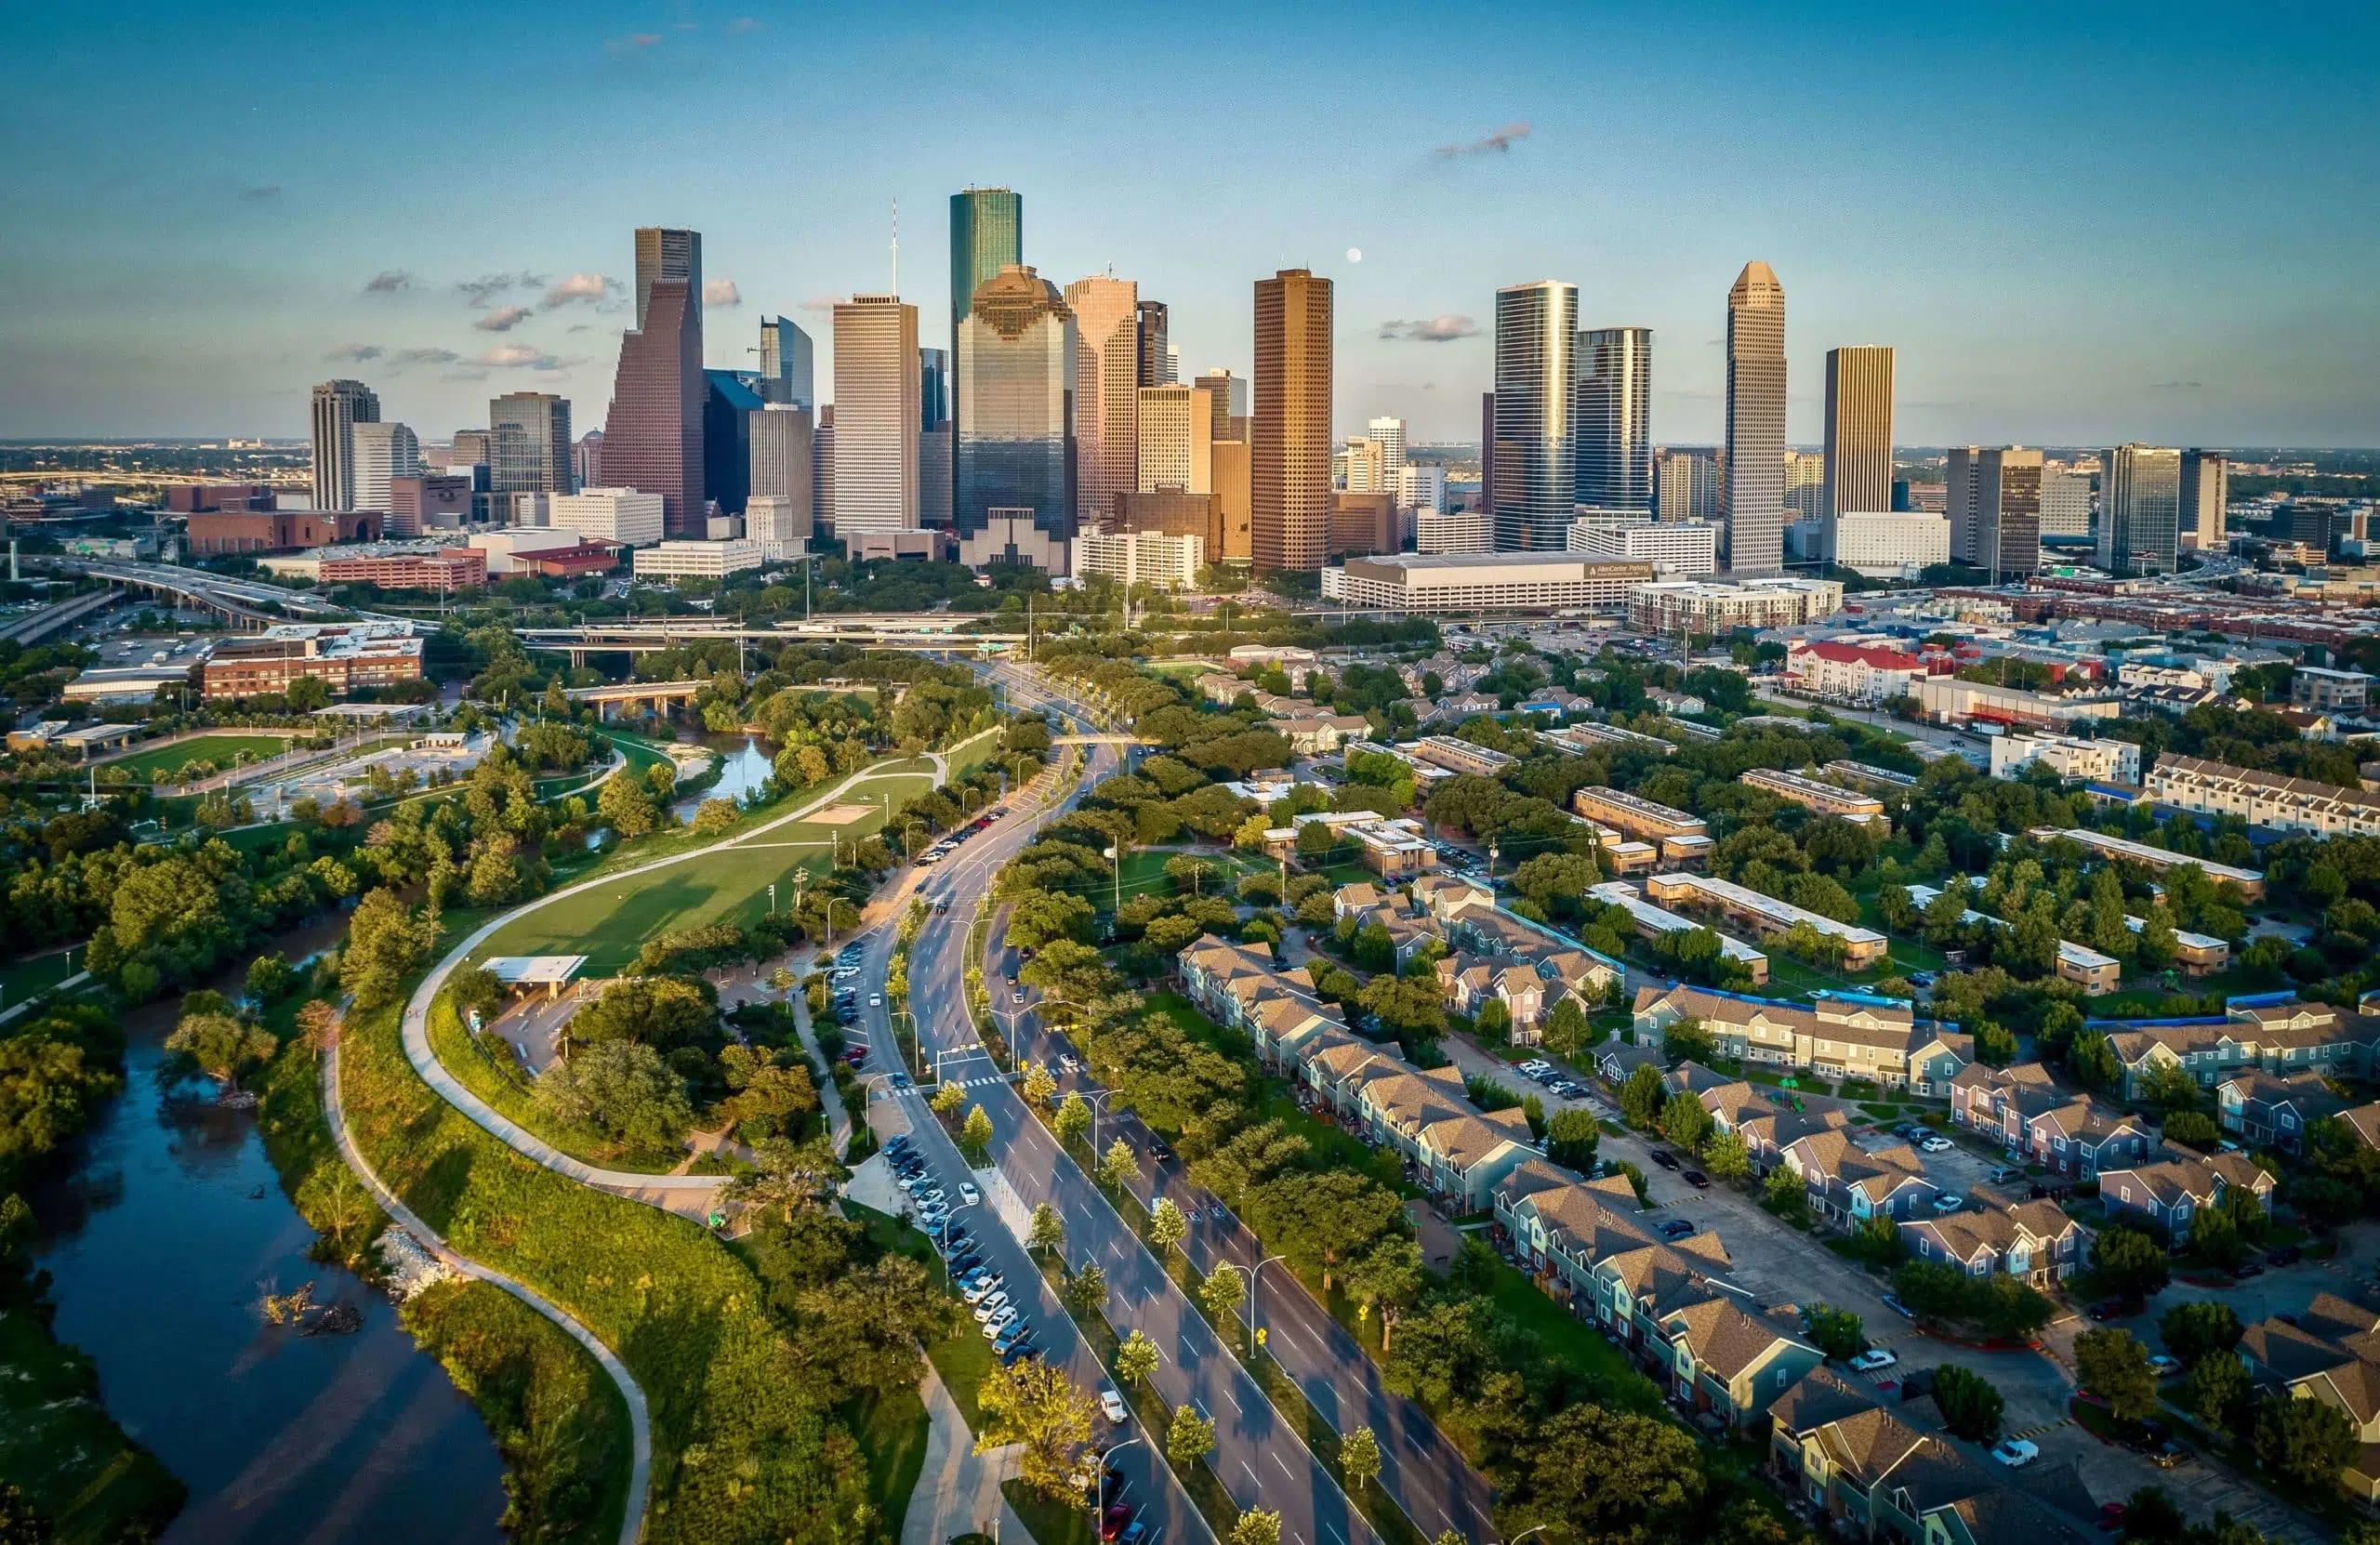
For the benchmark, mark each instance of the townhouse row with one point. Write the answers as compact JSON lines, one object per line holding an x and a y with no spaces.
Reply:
{"x":2266,"y":1032}
{"x":2329,"y":1352}
{"x":1843,"y":1035}
{"x":1496,"y":955}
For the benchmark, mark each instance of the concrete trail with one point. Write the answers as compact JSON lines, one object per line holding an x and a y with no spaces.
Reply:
{"x":688,"y":1195}
{"x":639,"y":1417}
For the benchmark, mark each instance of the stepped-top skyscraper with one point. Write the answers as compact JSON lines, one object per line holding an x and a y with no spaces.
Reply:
{"x":1537,"y":443}
{"x":1289,"y":430}
{"x":339,"y":406}
{"x":653,"y":437}
{"x":1615,"y":420}
{"x":663,"y":252}
{"x":1858,"y":431}
{"x":1016,"y":387}
{"x":987,"y":235}
{"x":1755,"y":487}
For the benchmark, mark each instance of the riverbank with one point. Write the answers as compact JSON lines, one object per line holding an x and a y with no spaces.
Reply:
{"x":58,"y":1444}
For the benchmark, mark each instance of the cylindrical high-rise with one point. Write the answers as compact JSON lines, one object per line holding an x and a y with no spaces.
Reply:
{"x":1615,"y":418}
{"x":1289,"y":431}
{"x":1858,"y":431}
{"x":1755,"y":474}
{"x":1537,"y":443}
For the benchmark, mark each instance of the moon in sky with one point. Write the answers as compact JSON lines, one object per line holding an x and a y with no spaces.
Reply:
{"x":1354,"y":254}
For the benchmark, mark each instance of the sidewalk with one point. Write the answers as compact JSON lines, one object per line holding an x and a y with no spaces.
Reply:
{"x":959,"y":1489}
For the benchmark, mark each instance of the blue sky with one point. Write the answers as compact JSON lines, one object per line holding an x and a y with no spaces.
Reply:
{"x":2077,"y":223}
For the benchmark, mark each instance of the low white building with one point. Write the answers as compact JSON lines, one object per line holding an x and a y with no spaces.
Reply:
{"x":698,"y":559}
{"x":507,"y":546}
{"x":1896,"y":545}
{"x":1155,"y":558}
{"x":1421,"y":487}
{"x":2261,"y":798}
{"x":1492,"y":582}
{"x":1853,"y":672}
{"x":620,"y":515}
{"x":1673,"y":606}
{"x":1456,"y":531}
{"x":1683,"y":549}
{"x":2106,"y":760}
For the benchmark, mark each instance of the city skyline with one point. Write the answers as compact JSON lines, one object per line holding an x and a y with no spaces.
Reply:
{"x":2105,"y":315}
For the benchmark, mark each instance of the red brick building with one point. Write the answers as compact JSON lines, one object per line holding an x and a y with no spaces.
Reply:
{"x":342,"y":655}
{"x":280,"y":530}
{"x":453,"y":569}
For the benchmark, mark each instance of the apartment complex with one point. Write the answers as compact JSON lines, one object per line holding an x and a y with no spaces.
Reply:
{"x":343,"y":656}
{"x":1673,"y":607}
{"x":1148,"y":558}
{"x":1840,"y":1035}
{"x":2263,"y":798}
{"x":1683,"y":838}
{"x":1947,"y":699}
{"x":1763,"y":915}
{"x":2124,"y":850}
{"x":1651,"y":921}
{"x":2267,"y":1032}
{"x":1888,"y":544}
{"x":2103,"y":760}
{"x":1825,"y":799}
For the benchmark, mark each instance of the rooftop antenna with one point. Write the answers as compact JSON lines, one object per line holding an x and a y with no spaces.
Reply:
{"x":896,"y":246}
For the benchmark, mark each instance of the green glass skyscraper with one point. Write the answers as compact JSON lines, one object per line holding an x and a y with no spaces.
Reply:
{"x":987,"y":235}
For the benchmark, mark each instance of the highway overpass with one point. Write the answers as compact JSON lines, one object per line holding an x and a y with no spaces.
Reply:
{"x":34,"y":626}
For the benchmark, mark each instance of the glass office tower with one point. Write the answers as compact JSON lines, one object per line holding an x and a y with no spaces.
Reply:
{"x":1615,"y":418}
{"x":1015,"y":389}
{"x":1537,"y":446}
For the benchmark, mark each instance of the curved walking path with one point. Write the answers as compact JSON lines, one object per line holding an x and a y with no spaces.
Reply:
{"x":639,"y":1417}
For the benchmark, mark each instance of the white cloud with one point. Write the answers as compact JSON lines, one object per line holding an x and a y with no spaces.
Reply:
{"x":578,"y":287}
{"x":722,"y":292}
{"x":1437,"y":329}
{"x":515,"y":356}
{"x":503,"y":321}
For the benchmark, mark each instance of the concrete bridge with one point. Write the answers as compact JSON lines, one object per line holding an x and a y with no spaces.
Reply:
{"x":235,"y":601}
{"x":928,"y":636}
{"x":1102,"y":740}
{"x":34,"y":626}
{"x":660,"y":694}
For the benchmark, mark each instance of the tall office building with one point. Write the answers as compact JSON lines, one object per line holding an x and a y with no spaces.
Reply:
{"x":781,"y":436}
{"x":1156,"y":355}
{"x":1227,"y":396}
{"x":1289,"y":431}
{"x":381,"y":452}
{"x":1177,"y":429}
{"x":1537,"y":443}
{"x":1804,"y":485}
{"x":1688,"y":486}
{"x":786,"y":369}
{"x":2206,"y":489}
{"x":822,"y":471}
{"x":529,"y":444}
{"x":1367,"y":467}
{"x":1015,"y":475}
{"x":729,"y":405}
{"x":2140,"y":498}
{"x":2065,"y":501}
{"x":1487,"y":461}
{"x":987,"y":235}
{"x":1993,"y":499}
{"x":677,"y":256}
{"x":933,"y":387}
{"x":1755,"y":496}
{"x":587,"y":461}
{"x":1107,"y":387}
{"x":653,"y":439}
{"x":472,"y":448}
{"x":936,"y":456}
{"x":339,"y":406}
{"x":1615,"y":420}
{"x":878,"y":395}
{"x":1389,"y":435}
{"x":1858,"y":431}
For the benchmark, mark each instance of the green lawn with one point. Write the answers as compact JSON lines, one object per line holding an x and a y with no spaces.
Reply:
{"x":219,"y":749}
{"x":1572,"y":1341}
{"x":21,"y":978}
{"x":609,"y":925}
{"x":1049,"y":1521}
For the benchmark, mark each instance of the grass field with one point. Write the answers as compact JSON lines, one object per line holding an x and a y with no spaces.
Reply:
{"x":21,"y":979}
{"x":219,"y":749}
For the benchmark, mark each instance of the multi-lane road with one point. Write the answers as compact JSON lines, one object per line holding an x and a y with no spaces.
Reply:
{"x":1260,"y":1455}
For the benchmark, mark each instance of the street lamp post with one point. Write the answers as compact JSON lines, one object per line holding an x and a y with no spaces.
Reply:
{"x":1099,"y":1482}
{"x":1254,"y":1274}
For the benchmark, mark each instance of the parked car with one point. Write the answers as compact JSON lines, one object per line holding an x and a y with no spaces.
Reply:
{"x":1112,"y":1522}
{"x":981,"y":1288}
{"x":1936,"y":1144}
{"x":991,"y":1303}
{"x":2017,"y":1453}
{"x":1676,"y":1228}
{"x":2164,"y":1366}
{"x":1111,"y":1405}
{"x":1892,"y":1302}
{"x":1026,"y":1345}
{"x":999,"y":1322}
{"x":1664,"y":1157}
{"x":1874,"y":1360}
{"x":2283,"y":1255}
{"x":2112,"y":1516}
{"x":1950,"y":1201}
{"x":1698,"y":1180}
{"x":2247,"y":1269}
{"x":968,"y":1194}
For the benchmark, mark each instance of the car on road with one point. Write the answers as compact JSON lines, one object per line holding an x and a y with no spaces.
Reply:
{"x":1111,"y":1405}
{"x":1892,"y":1302}
{"x":1873,"y":1360}
{"x":1069,"y":1063}
{"x":1664,"y":1157}
{"x":968,"y":1194}
{"x":2017,"y":1453}
{"x":876,"y":1000}
{"x":1698,"y":1180}
{"x":1158,"y":1148}
{"x":1019,"y":995}
{"x":900,"y":1081}
{"x":1936,"y":1144}
{"x":2164,"y":1366}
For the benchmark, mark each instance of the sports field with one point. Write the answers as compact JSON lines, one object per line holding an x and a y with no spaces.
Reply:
{"x":219,"y":749}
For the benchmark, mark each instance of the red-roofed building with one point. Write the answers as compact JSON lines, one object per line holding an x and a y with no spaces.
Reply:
{"x":1860,"y":673}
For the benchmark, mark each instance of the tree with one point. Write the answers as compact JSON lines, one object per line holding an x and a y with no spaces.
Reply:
{"x":1323,"y":1220}
{"x":1685,"y":1122}
{"x":2307,"y":1441}
{"x":1568,"y":1031}
{"x":622,"y":1091}
{"x":627,"y":806}
{"x":1836,"y":1332}
{"x":1786,"y":1195}
{"x":1136,"y":1359}
{"x":1221,"y":1294}
{"x":1120,"y":1168}
{"x":2114,"y":1366}
{"x":1190,"y":1439}
{"x":1726,"y":1158}
{"x":1359,"y":1459}
{"x":1085,"y":1292}
{"x":221,"y":1047}
{"x":1039,"y":1085}
{"x":1387,"y":1280}
{"x":1033,"y":1406}
{"x":478,"y":988}
{"x":267,"y":977}
{"x":977,"y":1135}
{"x":2130,"y":1262}
{"x":947,"y":1099}
{"x":1049,"y":1231}
{"x":2214,"y":1238}
{"x":21,"y":1524}
{"x":1642,"y":1097}
{"x":2194,"y":1329}
{"x":318,"y":1026}
{"x":385,"y":943}
{"x":1257,"y":1527}
{"x":1167,"y":1226}
{"x":2191,"y":1129}
{"x":1970,"y":1407}
{"x":1604,"y":1475}
{"x":1689,"y":1040}
{"x":2218,"y":1390}
{"x":1571,"y":1137}
{"x":1073,"y":1118}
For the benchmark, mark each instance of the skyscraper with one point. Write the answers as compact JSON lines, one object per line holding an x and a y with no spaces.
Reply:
{"x":1227,"y":396}
{"x":2140,"y":498}
{"x":729,"y":406}
{"x":2065,"y":501}
{"x":1017,"y":363}
{"x":529,"y":444}
{"x":781,"y":436}
{"x":653,"y":439}
{"x":1615,"y":420}
{"x":1858,"y":430}
{"x":1755,"y":478}
{"x":1537,"y":442}
{"x":1689,"y":485}
{"x":1107,"y":385}
{"x":661,"y":253}
{"x":878,"y":396}
{"x":1367,"y":467}
{"x":1389,"y":435}
{"x":1176,"y":431}
{"x":1289,"y":432}
{"x":1804,"y":485}
{"x":381,"y":452}
{"x":2206,"y":489}
{"x":1156,"y":355}
{"x":936,"y":457}
{"x":339,"y":406}
{"x":786,"y":373}
{"x":1993,"y":499}
{"x":987,"y":235}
